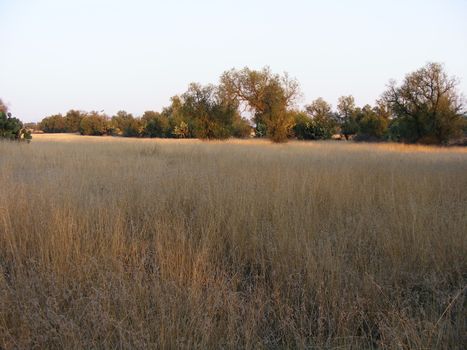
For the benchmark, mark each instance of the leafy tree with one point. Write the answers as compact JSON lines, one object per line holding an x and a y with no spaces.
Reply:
{"x":268,"y":96}
{"x":53,"y":124}
{"x":322,"y":124}
{"x":346,"y":111}
{"x":155,"y":124}
{"x":174,"y":114}
{"x":73,"y":120}
{"x":427,"y":106}
{"x":302,"y":126}
{"x":372,"y":123}
{"x":12,"y":128}
{"x":125,"y":124}
{"x":94,"y":124}
{"x":204,"y":112}
{"x":275,"y":116}
{"x":319,"y":108}
{"x":346,"y":106}
{"x":212,"y":116}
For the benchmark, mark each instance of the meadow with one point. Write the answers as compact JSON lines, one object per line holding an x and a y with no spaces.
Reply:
{"x":108,"y":242}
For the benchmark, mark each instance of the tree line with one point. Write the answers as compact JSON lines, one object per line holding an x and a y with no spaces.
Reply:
{"x":426,"y":107}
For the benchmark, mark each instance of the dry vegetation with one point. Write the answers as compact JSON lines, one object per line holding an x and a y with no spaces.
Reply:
{"x":124,"y":243}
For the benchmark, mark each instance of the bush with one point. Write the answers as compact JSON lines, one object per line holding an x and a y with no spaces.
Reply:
{"x":155,"y":124}
{"x":94,"y":124}
{"x":302,"y":126}
{"x":241,"y":128}
{"x":372,"y":126}
{"x":349,"y":127}
{"x":318,"y":128}
{"x":125,"y":124}
{"x":12,"y":128}
{"x":53,"y":124}
{"x":181,"y":131}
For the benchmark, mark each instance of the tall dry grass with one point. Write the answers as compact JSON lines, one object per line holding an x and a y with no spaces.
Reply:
{"x":113,"y":243}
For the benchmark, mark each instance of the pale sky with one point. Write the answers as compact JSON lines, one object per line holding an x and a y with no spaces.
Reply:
{"x":134,"y":55}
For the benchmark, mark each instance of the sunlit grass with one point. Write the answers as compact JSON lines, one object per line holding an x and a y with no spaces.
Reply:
{"x":137,"y":243}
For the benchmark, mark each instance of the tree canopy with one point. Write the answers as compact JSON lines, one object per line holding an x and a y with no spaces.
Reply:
{"x":426,"y":106}
{"x":11,"y":128}
{"x":268,"y":96}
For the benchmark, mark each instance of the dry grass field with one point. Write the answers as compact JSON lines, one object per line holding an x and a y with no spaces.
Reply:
{"x":126,"y":243}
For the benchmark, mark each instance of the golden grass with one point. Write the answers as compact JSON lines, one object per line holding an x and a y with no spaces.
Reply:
{"x":123,"y":243}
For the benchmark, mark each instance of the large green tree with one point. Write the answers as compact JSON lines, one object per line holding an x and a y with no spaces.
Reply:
{"x":203,"y":111}
{"x":73,"y":120}
{"x":155,"y":124}
{"x":372,"y":123}
{"x":426,"y":106}
{"x":11,"y":128}
{"x":323,"y":123}
{"x":268,"y":97}
{"x":211,"y":114}
{"x":178,"y":122}
{"x":94,"y":124}
{"x":346,"y":110}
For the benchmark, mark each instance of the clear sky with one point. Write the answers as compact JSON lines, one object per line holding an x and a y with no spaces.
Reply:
{"x":134,"y":55}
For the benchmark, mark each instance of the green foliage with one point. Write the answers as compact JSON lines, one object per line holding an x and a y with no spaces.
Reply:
{"x":426,"y":105}
{"x":73,"y":120}
{"x":268,"y":97}
{"x":94,"y":124}
{"x":241,"y":127}
{"x":463,"y":123}
{"x":204,"y":112}
{"x":372,"y":124}
{"x":58,"y":123}
{"x":180,"y":125}
{"x":12,"y":128}
{"x":53,"y":124}
{"x":125,"y":124}
{"x":301,"y":126}
{"x":260,"y":130}
{"x":210,"y":115}
{"x":319,"y":108}
{"x":156,"y":124}
{"x":181,"y":131}
{"x":308,"y":128}
{"x":278,"y":120}
{"x":367,"y":123}
{"x":349,"y":127}
{"x":346,"y":112}
{"x":396,"y":129}
{"x":317,"y":123}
